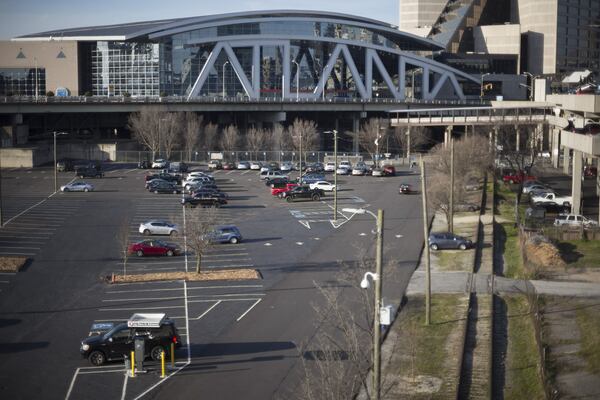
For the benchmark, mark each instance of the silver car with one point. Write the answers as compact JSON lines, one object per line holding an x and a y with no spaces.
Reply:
{"x":158,"y":227}
{"x":77,"y":187}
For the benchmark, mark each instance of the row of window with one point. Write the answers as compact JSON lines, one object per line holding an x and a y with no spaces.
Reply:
{"x":22,"y":81}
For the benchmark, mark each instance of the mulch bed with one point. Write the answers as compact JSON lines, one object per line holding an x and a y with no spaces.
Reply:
{"x":223,"y":275}
{"x":12,"y":264}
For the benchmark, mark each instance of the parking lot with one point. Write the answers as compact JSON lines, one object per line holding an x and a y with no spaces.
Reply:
{"x":71,"y":238}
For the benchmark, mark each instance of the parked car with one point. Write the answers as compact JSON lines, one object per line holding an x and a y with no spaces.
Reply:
{"x":272,"y":175}
{"x":329,"y":167}
{"x":159,"y":227}
{"x":144,"y":164}
{"x":196,"y":180}
{"x":405,"y":188}
{"x":345,"y":163}
{"x":315,"y":168}
{"x":196,"y":174}
{"x":215,"y":164}
{"x":529,"y":188}
{"x":359,"y":170}
{"x":208,"y":192}
{"x":574,"y":220}
{"x":343,"y":170}
{"x":300,"y":166}
{"x":447,"y":240}
{"x":280,"y":190}
{"x":552,"y":198}
{"x":517,"y":177}
{"x":64,"y":165}
{"x":377,"y":172}
{"x":274,"y":165}
{"x":243,"y":165}
{"x":203,"y":200}
{"x":165,"y":177}
{"x":323,"y":185}
{"x":389,"y":170}
{"x":201,"y":186}
{"x":89,"y":173}
{"x":303,"y":192}
{"x":286,"y":166}
{"x":159,"y":163}
{"x":114,"y":341}
{"x":77,"y":187}
{"x":307,"y":179}
{"x":267,"y":167}
{"x":225,"y":234}
{"x":154,"y":247}
{"x":163,"y":187}
{"x":553,"y":208}
{"x":177,"y":167}
{"x":255,"y":165}
{"x":228,"y":166}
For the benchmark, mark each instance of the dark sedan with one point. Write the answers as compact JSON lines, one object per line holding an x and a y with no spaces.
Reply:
{"x":447,"y":240}
{"x":154,"y":248}
{"x":163,"y":187}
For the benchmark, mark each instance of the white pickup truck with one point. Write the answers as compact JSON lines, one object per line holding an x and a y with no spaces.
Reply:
{"x":552,"y":198}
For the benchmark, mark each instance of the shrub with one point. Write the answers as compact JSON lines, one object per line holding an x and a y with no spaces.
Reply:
{"x":49,"y":93}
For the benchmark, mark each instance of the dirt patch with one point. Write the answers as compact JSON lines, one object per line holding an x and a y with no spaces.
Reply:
{"x":12,"y":264}
{"x":224,"y":275}
{"x":543,"y":254}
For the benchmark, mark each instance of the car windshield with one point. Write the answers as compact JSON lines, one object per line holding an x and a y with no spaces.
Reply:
{"x":115,"y":330}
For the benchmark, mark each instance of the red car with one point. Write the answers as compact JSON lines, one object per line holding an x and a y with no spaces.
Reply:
{"x":277,"y":191}
{"x":228,"y":166}
{"x":389,"y":170}
{"x":518,"y":177}
{"x":154,"y":247}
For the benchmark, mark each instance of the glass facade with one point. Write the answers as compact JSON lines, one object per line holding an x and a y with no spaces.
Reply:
{"x":22,"y":81}
{"x":578,"y":35}
{"x":119,"y":68}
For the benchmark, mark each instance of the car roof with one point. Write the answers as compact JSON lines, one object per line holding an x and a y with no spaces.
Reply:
{"x":226,"y":227}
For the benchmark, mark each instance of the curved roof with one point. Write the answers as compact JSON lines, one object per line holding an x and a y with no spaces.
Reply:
{"x":154,"y":29}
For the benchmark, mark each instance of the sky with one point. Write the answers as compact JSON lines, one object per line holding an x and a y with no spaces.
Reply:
{"x":20,"y":17}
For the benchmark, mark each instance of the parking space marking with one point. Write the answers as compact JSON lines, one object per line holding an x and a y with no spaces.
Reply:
{"x":207,"y":311}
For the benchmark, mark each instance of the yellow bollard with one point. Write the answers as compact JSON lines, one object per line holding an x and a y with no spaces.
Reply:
{"x":162,"y":362}
{"x":133,"y":364}
{"x":172,"y":355}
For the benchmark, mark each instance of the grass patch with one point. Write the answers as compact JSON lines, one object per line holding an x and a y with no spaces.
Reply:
{"x":224,"y":275}
{"x":454,"y":260}
{"x":513,"y":261}
{"x":12,"y":264}
{"x":588,"y":320}
{"x":428,"y":352}
{"x":523,"y":363}
{"x":580,"y":253}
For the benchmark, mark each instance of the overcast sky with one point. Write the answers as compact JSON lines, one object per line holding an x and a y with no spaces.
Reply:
{"x":20,"y":17}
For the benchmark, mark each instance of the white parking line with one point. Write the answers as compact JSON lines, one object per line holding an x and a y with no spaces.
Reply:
{"x":139,"y":308}
{"x":189,"y":297}
{"x":190,"y":288}
{"x":207,"y":311}
{"x":248,"y":310}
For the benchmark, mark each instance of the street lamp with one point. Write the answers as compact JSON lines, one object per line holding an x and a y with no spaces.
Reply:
{"x":335,"y":185}
{"x":55,"y":134}
{"x":365,"y":284}
{"x":531,"y":86}
{"x":297,"y":80}
{"x":481,"y":85}
{"x":224,"y":65}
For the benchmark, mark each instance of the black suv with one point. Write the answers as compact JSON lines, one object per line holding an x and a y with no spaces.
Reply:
{"x":89,"y":173}
{"x":119,"y":341}
{"x":204,"y":200}
{"x":163,"y":187}
{"x":303,"y":192}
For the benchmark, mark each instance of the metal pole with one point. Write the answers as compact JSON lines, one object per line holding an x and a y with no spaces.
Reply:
{"x":335,"y":149}
{"x":426,"y":247}
{"x":55,"y":170}
{"x":451,"y":205}
{"x":297,"y":80}
{"x":1,"y":219}
{"x":224,"y":65}
{"x":300,"y":165}
{"x":376,"y":322}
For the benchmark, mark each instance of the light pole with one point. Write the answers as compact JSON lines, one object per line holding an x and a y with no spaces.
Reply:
{"x":55,"y":168}
{"x":297,"y":80}
{"x":531,"y":85}
{"x":335,"y":185}
{"x":377,"y":277}
{"x":481,"y":85}
{"x":224,"y":65}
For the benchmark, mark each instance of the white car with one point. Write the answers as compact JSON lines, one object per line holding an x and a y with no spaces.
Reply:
{"x":574,"y":219}
{"x":243,"y":165}
{"x":286,"y":166}
{"x":157,"y":227}
{"x":552,"y":198}
{"x":195,"y":174}
{"x":359,"y":170}
{"x":323,"y":185}
{"x":345,"y":164}
{"x":255,"y":165}
{"x":265,"y":168}
{"x":377,"y":172}
{"x":343,"y":170}
{"x":159,"y":163}
{"x":329,"y":167}
{"x":77,"y":187}
{"x":194,"y":181}
{"x":531,"y":188}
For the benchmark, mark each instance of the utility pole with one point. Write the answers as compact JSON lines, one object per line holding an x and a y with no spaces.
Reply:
{"x":55,"y":168}
{"x":300,"y":165}
{"x":335,"y":148}
{"x":451,"y":205}
{"x":376,"y":317}
{"x":426,"y":247}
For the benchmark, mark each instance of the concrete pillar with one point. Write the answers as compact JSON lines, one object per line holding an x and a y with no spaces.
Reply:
{"x":355,"y":129}
{"x":491,"y":139}
{"x":597,"y":164}
{"x":555,"y":149}
{"x":576,"y":179}
{"x":447,"y":135}
{"x":566,"y":160}
{"x":517,"y":138}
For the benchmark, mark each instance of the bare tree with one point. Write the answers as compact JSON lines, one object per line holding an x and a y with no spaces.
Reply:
{"x":255,"y":140}
{"x":191,"y":132}
{"x":172,"y":124}
{"x":371,"y":135}
{"x":145,"y":127}
{"x":230,"y":138}
{"x":519,"y":159}
{"x":123,"y":241}
{"x":280,"y":140}
{"x":304,"y":136}
{"x":199,"y":223}
{"x":210,"y":137}
{"x":413,"y":136}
